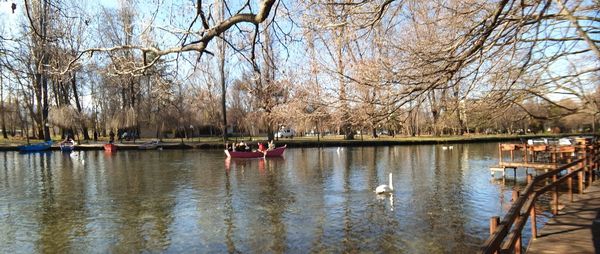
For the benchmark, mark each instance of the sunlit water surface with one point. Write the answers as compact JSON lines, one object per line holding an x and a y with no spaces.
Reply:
{"x":312,"y":200}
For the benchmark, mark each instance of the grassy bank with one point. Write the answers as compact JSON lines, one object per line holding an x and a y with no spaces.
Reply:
{"x":385,"y":141}
{"x":310,"y":141}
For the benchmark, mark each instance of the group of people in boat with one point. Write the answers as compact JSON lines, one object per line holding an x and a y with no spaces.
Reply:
{"x":244,"y":147}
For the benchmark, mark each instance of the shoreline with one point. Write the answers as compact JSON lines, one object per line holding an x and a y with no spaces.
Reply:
{"x":307,"y":143}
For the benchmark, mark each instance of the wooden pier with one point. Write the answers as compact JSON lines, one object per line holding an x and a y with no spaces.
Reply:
{"x":574,"y":229}
{"x":506,"y":233}
{"x":537,"y":157}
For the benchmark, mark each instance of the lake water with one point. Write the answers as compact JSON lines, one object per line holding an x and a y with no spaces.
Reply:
{"x":312,"y":200}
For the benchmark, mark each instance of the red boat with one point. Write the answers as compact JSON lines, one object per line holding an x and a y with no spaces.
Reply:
{"x":110,"y":148}
{"x":277,"y":152}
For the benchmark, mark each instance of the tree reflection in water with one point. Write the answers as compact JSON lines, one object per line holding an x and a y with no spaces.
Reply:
{"x":313,"y":200}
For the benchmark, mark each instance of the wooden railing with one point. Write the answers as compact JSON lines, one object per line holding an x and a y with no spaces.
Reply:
{"x":505,"y":235}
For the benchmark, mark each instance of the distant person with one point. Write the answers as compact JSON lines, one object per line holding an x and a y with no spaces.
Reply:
{"x":111,"y":136}
{"x":68,"y":139}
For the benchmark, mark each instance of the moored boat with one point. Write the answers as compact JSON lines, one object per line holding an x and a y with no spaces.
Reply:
{"x":277,"y":152}
{"x":150,"y":145}
{"x":67,"y":146}
{"x":110,"y":148}
{"x":36,"y":147}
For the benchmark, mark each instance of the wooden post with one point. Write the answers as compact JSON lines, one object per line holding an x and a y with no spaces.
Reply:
{"x":494,"y":222}
{"x":586,"y":165}
{"x":593,"y":162}
{"x":570,"y":184}
{"x":515,"y":195}
{"x":518,"y":245}
{"x":594,"y":157}
{"x":500,"y":154}
{"x":580,"y":181}
{"x":555,"y":196}
{"x":532,"y":211}
{"x":529,"y":178}
{"x":594,"y":166}
{"x":526,"y":152}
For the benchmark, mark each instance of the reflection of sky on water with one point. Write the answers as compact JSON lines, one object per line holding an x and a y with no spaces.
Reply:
{"x":311,"y":200}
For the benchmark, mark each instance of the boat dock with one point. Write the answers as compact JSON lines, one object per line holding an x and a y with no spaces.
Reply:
{"x":567,"y":174}
{"x":514,"y":156}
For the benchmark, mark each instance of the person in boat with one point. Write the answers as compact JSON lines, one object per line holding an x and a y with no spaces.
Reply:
{"x":271,"y":145}
{"x":242,"y":147}
{"x":68,"y":139}
{"x":261,"y":147}
{"x":111,"y":136}
{"x":239,"y":147}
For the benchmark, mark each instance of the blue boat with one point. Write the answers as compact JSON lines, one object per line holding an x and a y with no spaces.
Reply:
{"x":36,"y":147}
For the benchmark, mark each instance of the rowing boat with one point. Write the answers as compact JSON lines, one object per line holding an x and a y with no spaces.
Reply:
{"x":67,"y":146}
{"x":277,"y":152}
{"x":36,"y":147}
{"x":110,"y":147}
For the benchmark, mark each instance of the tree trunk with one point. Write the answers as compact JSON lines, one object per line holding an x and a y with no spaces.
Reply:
{"x":22,"y":120}
{"x":345,"y":126}
{"x":435,"y":114}
{"x":222,"y":77}
{"x":84,"y":129}
{"x":36,"y":115}
{"x":2,"y":110}
{"x":43,"y":74}
{"x":123,"y":97}
{"x":45,"y":106}
{"x":270,"y":132}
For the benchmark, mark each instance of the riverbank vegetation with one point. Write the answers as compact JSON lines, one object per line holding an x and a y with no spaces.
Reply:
{"x":358,"y":69}
{"x":306,"y":141}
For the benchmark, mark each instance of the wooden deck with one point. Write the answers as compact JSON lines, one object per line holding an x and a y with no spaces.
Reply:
{"x":576,"y":229}
{"x":533,"y":165}
{"x":504,"y":166}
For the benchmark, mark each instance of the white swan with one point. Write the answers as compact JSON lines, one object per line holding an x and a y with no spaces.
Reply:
{"x":384,"y":188}
{"x":444,"y":148}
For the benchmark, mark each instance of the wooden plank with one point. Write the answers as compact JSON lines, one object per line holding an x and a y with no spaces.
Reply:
{"x":528,"y":165}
